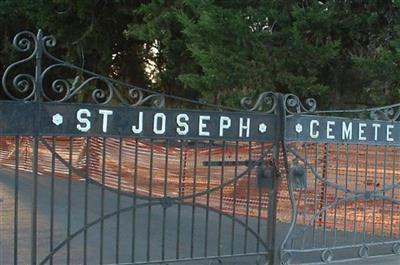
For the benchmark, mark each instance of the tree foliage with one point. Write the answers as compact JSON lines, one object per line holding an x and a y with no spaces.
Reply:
{"x":90,"y":33}
{"x":344,"y":53}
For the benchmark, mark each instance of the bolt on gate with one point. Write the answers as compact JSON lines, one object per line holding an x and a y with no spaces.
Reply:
{"x":118,"y":178}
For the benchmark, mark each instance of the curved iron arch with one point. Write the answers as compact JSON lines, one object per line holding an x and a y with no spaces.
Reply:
{"x":152,"y":201}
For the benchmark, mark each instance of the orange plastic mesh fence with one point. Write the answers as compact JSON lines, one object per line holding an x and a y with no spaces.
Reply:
{"x":359,"y":168}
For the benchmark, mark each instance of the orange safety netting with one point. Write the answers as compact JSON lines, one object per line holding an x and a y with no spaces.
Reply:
{"x":171,"y":171}
{"x":154,"y":169}
{"x":352,"y":171}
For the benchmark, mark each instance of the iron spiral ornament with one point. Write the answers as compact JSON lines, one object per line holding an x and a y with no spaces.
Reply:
{"x":54,"y":80}
{"x":266,"y":102}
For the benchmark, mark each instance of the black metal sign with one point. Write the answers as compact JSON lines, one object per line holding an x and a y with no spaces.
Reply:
{"x":335,"y":129}
{"x":75,"y":119}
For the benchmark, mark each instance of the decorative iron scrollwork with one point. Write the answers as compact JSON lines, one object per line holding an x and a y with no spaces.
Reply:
{"x":22,"y":85}
{"x":363,"y":252}
{"x":266,"y":102}
{"x":44,"y":83}
{"x":388,"y":113}
{"x":327,"y":255}
{"x":293,"y":104}
{"x":396,"y":248}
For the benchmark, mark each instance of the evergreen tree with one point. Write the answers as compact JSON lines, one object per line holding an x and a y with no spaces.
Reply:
{"x":236,"y":48}
{"x":345,"y":53}
{"x":90,"y":33}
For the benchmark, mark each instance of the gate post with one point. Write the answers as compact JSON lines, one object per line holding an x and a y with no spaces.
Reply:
{"x":273,"y":193}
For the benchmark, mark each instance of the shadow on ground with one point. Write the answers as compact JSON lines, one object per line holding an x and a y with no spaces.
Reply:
{"x":146,"y":232}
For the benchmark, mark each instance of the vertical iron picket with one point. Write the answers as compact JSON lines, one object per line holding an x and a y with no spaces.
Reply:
{"x":118,"y":200}
{"x":86,"y":200}
{"x":16,"y":203}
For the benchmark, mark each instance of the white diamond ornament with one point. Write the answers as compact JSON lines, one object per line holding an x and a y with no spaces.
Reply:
{"x":58,"y":119}
{"x":262,"y":127}
{"x":299,"y":128}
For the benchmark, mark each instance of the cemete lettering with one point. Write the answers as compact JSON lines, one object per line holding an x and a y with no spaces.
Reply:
{"x":309,"y":128}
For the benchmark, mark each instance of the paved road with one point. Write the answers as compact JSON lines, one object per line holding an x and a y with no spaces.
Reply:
{"x":393,"y":260}
{"x":190,"y":239}
{"x":149,"y":228}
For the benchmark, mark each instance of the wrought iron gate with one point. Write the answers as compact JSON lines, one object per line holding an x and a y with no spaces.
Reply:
{"x":346,"y":206}
{"x":120,"y":179}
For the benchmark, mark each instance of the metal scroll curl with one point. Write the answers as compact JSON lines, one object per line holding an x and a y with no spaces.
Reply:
{"x":59,"y":81}
{"x":389,"y":113}
{"x":21,"y":86}
{"x":293,"y":104}
{"x":266,"y":102}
